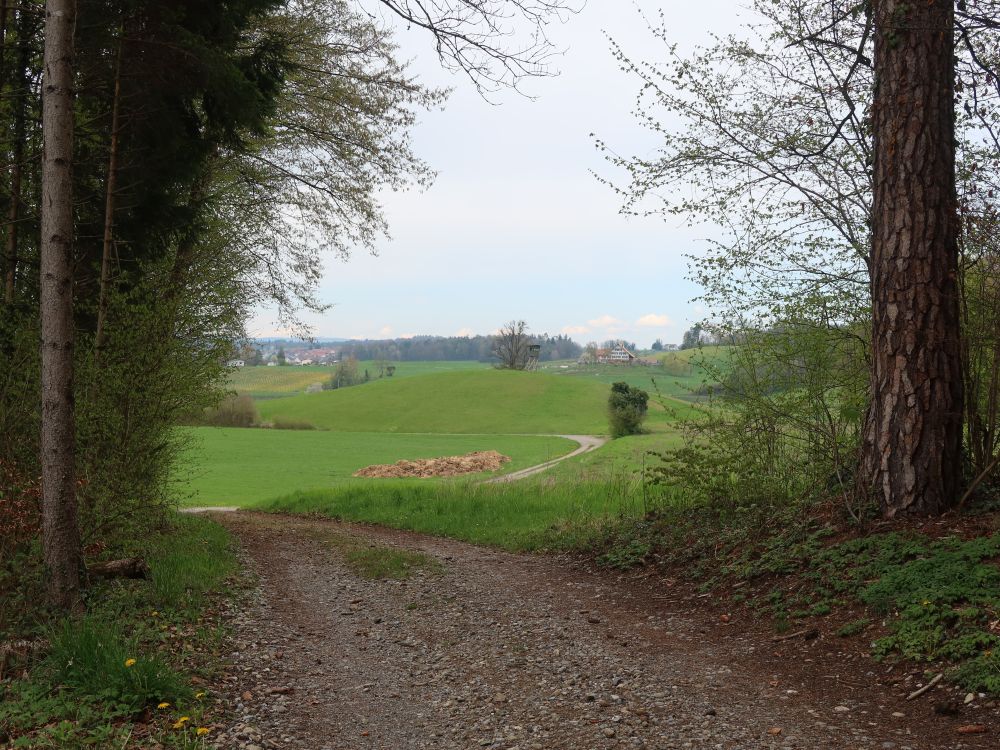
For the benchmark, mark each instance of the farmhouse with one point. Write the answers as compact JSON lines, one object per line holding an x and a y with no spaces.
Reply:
{"x":235,"y":363}
{"x":616,"y":355}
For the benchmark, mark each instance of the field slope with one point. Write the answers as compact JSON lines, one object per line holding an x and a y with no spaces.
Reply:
{"x":275,"y":382}
{"x":477,"y":402}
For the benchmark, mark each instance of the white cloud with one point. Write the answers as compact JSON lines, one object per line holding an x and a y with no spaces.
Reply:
{"x":605,"y":321}
{"x":575,"y":330}
{"x":466,"y":331}
{"x":406,"y":335}
{"x":385,"y":331}
{"x":654,"y":321}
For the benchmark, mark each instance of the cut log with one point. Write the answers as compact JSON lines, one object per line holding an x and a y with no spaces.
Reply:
{"x":129,"y":567}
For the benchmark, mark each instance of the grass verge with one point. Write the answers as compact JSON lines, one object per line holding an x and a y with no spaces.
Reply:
{"x":125,"y":674}
{"x":525,"y":515}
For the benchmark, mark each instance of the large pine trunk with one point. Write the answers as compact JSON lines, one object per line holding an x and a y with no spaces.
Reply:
{"x":912,"y":447}
{"x":60,"y":530}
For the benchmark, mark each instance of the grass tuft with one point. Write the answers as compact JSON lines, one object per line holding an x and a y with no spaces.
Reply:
{"x":94,"y":658}
{"x":378,"y":562}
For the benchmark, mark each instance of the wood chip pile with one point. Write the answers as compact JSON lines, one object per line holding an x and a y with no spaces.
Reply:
{"x":445,"y":466}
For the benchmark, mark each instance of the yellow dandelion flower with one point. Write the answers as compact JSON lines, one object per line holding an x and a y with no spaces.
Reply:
{"x":202,"y":730}
{"x":129,"y":662}
{"x":154,"y":613}
{"x":926,"y":602}
{"x":199,"y":696}
{"x":179,"y":724}
{"x":987,"y":652}
{"x":163,"y":705}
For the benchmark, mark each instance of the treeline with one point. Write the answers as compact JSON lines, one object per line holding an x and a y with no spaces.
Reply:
{"x":196,"y":131}
{"x":452,"y":348}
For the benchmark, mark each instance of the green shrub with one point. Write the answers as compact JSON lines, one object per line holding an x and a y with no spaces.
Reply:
{"x":627,"y":406}
{"x":234,"y":411}
{"x":281,"y":423}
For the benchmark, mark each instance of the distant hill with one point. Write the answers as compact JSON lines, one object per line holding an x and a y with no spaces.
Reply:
{"x":471,"y":402}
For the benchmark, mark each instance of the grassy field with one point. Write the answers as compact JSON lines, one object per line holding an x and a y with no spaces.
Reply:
{"x":619,"y":459}
{"x":680,"y":376}
{"x":275,"y":382}
{"x":484,"y":402}
{"x":232,"y":466}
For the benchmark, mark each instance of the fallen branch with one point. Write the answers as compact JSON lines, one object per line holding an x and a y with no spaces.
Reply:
{"x":920,"y":691}
{"x":129,"y":567}
{"x":807,"y":633}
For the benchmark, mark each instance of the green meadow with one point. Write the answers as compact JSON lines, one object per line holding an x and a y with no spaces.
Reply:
{"x":440,"y":409}
{"x":680,"y":374}
{"x":244,"y":466}
{"x":275,"y":382}
{"x":480,"y":402}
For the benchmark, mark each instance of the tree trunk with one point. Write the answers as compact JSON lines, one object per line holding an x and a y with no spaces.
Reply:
{"x":19,"y":96}
{"x":911,"y":458}
{"x":109,"y":213}
{"x":60,"y":530}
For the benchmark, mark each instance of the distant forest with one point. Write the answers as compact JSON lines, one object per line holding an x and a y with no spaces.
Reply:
{"x":452,"y":348}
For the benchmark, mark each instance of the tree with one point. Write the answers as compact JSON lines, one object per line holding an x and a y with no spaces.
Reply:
{"x":280,"y":358}
{"x":692,"y":337}
{"x":912,"y":446}
{"x":789,"y":142}
{"x":60,"y":529}
{"x":657,"y":345}
{"x":345,"y":374}
{"x":510,"y":346}
{"x":627,"y":406}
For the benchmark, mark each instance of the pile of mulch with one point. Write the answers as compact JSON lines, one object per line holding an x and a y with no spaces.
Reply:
{"x":445,"y":466}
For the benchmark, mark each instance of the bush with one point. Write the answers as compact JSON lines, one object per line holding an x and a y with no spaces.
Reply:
{"x":627,"y":407}
{"x":281,"y":423}
{"x":235,"y":411}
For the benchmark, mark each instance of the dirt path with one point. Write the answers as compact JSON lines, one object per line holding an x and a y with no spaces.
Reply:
{"x":528,"y":652}
{"x":586,"y":443}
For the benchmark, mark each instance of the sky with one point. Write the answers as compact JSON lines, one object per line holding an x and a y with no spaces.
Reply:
{"x":516,"y":226}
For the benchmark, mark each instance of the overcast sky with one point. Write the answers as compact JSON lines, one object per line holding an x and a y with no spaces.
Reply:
{"x":515,"y":225}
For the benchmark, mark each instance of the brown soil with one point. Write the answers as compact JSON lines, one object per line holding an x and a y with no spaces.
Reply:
{"x":490,"y":649}
{"x":445,"y":466}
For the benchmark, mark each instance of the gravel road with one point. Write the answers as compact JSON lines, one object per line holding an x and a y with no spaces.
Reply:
{"x":495,"y":650}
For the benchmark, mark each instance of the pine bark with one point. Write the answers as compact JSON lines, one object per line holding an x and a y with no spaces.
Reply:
{"x":912,"y":449}
{"x":60,"y":530}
